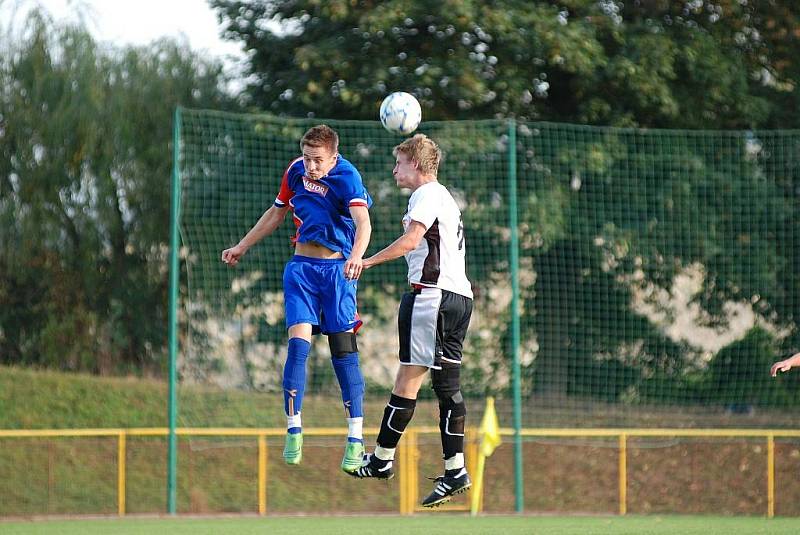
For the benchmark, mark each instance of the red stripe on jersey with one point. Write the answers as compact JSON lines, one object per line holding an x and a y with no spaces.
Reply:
{"x":358,"y":202}
{"x":285,"y":194}
{"x":297,"y":223}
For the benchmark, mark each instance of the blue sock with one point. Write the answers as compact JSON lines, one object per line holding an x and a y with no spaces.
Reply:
{"x":351,"y":382}
{"x":294,"y":378}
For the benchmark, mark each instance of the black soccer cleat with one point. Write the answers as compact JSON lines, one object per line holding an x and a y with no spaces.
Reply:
{"x":447,"y":486}
{"x":374,"y":467}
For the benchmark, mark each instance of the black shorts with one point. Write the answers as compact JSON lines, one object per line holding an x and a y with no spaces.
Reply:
{"x":432,"y":324}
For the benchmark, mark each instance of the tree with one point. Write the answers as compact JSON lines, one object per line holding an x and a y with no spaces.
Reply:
{"x":593,"y":227}
{"x":724,"y":64}
{"x":84,"y":195}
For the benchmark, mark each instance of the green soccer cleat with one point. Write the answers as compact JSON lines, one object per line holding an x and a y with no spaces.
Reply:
{"x":353,"y":456}
{"x":293,"y":450}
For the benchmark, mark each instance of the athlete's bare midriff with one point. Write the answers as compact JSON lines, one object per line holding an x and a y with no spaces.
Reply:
{"x":315,"y":250}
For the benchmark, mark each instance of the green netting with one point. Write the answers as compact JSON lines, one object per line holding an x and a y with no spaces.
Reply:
{"x":658,"y":270}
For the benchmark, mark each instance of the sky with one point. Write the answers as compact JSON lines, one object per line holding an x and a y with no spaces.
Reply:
{"x":137,"y":21}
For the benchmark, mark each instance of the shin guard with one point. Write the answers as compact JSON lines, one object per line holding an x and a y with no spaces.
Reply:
{"x":396,"y":416}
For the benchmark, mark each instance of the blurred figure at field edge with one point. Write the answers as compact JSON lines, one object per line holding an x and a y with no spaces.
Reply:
{"x":785,"y":365}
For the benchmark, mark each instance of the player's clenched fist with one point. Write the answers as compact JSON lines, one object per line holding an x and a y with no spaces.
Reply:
{"x":231,"y":256}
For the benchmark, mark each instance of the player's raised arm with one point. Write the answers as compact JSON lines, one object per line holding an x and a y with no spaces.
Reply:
{"x":399,"y":247}
{"x":265,"y":226}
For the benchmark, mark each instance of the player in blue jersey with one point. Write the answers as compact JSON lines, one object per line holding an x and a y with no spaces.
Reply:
{"x":330,"y":208}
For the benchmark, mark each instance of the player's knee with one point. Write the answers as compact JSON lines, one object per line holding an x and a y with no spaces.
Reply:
{"x":453,"y":405}
{"x":342,"y":344}
{"x":446,"y":381}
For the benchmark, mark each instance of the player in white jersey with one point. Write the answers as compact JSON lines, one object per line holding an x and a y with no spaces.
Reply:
{"x":432,"y":320}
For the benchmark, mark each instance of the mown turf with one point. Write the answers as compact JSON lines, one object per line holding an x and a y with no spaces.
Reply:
{"x":429,"y":524}
{"x":46,"y":399}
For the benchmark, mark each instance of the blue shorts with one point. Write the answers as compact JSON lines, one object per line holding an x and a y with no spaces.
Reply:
{"x":316,"y":291}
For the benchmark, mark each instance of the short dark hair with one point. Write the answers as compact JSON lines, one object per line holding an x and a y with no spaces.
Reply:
{"x":321,"y":136}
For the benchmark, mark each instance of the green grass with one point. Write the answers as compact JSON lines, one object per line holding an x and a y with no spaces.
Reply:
{"x":429,"y":524}
{"x":61,"y":400}
{"x":78,"y":475}
{"x":45,"y":399}
{"x":67,"y":400}
{"x":65,"y":476}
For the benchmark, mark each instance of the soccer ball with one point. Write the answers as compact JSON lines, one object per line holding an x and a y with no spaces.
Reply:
{"x":400,"y":113}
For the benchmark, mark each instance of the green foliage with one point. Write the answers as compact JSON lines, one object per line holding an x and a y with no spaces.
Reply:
{"x":722,"y":64}
{"x":609,"y":207}
{"x":736,"y":375}
{"x":84,"y":196}
{"x":598,"y":209}
{"x":607,"y":215}
{"x":610,"y":220}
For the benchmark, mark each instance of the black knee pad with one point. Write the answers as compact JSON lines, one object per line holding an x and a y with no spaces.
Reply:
{"x":342,"y":344}
{"x":453,"y":405}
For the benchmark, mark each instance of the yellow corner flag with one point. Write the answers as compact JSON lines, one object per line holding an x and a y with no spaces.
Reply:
{"x":490,"y":429}
{"x":490,"y":439}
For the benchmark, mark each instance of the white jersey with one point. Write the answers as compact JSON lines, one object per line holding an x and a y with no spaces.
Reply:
{"x":438,"y":261}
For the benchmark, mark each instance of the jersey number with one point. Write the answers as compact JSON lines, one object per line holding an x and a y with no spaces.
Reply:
{"x":460,"y":233}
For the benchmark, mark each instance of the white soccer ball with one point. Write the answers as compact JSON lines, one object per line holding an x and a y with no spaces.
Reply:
{"x":400,"y":113}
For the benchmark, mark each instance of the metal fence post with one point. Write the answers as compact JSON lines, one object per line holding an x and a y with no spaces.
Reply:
{"x":174,"y":266}
{"x":513,"y":223}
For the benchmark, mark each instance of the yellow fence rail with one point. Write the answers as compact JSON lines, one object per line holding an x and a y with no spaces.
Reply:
{"x":408,"y":452}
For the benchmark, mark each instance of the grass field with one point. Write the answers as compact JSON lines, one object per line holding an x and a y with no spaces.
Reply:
{"x":422,"y":524}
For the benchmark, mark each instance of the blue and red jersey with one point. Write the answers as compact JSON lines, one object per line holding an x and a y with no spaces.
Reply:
{"x":321,"y":208}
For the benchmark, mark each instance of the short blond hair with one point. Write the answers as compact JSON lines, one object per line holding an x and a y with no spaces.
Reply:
{"x":321,"y":136}
{"x":423,"y":151}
